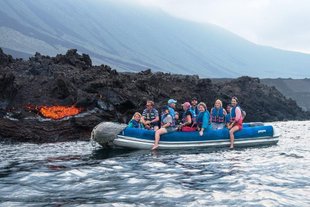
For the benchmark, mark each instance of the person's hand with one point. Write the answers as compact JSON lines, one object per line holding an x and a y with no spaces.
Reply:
{"x":147,"y":122}
{"x":147,"y":126}
{"x":200,"y":133}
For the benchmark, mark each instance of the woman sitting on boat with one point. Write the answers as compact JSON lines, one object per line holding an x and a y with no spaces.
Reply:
{"x":187,"y":124}
{"x":218,"y":115}
{"x":203,"y":119}
{"x":135,"y":122}
{"x":166,"y":126}
{"x":235,"y":120}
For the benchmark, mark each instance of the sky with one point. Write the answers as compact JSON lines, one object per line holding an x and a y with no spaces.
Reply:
{"x":283,"y":24}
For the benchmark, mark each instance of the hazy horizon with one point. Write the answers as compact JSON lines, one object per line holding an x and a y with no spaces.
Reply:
{"x":280,"y":24}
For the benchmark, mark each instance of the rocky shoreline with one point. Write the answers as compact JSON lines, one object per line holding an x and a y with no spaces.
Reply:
{"x":104,"y":94}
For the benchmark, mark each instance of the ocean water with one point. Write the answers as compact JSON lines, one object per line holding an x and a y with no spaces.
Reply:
{"x":79,"y":174}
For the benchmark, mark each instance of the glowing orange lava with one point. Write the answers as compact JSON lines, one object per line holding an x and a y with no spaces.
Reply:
{"x":58,"y":112}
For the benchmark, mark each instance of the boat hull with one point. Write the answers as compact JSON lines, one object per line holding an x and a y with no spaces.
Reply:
{"x":130,"y":142}
{"x":249,"y":136}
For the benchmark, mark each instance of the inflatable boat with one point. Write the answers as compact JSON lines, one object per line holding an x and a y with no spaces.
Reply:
{"x":252,"y":134}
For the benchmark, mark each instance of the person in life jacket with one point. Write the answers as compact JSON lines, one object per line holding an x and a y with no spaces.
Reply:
{"x":173,"y":113}
{"x":177,"y":118}
{"x":135,"y":122}
{"x":194,"y":108}
{"x":150,"y":116}
{"x":187,"y":124}
{"x":227,"y":117}
{"x":166,"y":126}
{"x":203,"y":118}
{"x":235,"y":120}
{"x":218,"y":114}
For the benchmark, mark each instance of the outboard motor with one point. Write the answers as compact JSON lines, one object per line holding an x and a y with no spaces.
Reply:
{"x":105,"y":132}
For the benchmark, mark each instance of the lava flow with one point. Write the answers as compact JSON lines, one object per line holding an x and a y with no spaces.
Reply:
{"x":58,"y":112}
{"x":54,"y":112}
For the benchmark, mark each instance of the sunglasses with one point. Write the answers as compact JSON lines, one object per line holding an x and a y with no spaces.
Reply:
{"x":234,"y":97}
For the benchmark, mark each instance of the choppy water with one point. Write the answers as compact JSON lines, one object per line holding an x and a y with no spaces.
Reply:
{"x":66,"y":174}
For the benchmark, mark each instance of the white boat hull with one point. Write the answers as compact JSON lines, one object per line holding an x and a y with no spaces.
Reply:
{"x":134,"y":143}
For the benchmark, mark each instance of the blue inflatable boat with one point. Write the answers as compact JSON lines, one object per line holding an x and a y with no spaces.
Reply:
{"x":252,"y":134}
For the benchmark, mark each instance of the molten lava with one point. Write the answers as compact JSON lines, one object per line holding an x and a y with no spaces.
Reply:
{"x":53,"y":112}
{"x":58,"y":112}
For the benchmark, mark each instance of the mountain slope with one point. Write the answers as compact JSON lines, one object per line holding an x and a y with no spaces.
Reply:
{"x":132,"y":37}
{"x":297,"y":89}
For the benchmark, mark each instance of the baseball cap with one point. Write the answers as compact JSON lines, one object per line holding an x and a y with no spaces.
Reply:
{"x":170,"y":101}
{"x":186,"y":104}
{"x":165,"y":108}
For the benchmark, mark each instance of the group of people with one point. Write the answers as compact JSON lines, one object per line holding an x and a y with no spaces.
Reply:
{"x":195,"y":117}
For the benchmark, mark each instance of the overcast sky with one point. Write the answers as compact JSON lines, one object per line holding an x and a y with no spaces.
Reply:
{"x":279,"y":23}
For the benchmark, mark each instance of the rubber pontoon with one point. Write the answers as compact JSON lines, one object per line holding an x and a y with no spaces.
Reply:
{"x":252,"y":134}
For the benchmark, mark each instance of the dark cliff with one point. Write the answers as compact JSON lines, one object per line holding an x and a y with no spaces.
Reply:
{"x":105,"y":94}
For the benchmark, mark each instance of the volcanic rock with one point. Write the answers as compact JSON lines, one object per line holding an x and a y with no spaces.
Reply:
{"x":104,"y":94}
{"x":5,"y":59}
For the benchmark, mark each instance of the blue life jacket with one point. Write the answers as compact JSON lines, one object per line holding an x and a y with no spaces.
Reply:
{"x":172,"y":113}
{"x":217,"y":116}
{"x":233,"y":113}
{"x":136,"y":124}
{"x":164,"y":116}
{"x":195,"y":112}
{"x":227,"y":118}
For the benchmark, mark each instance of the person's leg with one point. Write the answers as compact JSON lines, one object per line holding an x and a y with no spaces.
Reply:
{"x":156,"y":128}
{"x":157,"y":137}
{"x":231,"y":135}
{"x":146,"y":126}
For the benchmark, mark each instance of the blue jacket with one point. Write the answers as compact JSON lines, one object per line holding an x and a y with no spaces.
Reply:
{"x":134,"y":124}
{"x":203,"y":120}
